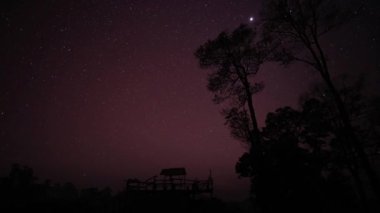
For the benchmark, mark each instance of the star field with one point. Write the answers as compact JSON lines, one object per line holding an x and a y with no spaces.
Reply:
{"x":95,"y":92}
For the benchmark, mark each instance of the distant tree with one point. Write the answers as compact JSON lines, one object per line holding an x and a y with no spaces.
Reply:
{"x":22,"y":177}
{"x":297,"y":26}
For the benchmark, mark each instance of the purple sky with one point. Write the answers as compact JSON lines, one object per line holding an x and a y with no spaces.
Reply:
{"x":94,"y":92}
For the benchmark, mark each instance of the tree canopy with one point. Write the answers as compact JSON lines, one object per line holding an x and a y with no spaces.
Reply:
{"x":234,"y":59}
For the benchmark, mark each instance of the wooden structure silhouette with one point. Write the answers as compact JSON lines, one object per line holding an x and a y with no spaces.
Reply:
{"x":171,"y":181}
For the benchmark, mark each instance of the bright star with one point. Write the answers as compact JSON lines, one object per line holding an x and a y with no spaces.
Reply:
{"x":251,"y":19}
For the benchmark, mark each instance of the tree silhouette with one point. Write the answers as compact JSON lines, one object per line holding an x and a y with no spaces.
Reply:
{"x":20,"y":192}
{"x":362,"y":110}
{"x":235,"y":58}
{"x":305,"y":156}
{"x":297,"y":25}
{"x":372,"y":133}
{"x":304,"y":168}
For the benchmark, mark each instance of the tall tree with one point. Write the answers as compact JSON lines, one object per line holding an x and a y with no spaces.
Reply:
{"x":234,"y":59}
{"x":298,"y":26}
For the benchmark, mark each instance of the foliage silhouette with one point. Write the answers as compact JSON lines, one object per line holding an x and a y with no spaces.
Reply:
{"x":303,"y":167}
{"x":297,"y":26}
{"x":304,"y":156}
{"x":290,"y":32}
{"x":235,"y":59}
{"x":21,"y":192}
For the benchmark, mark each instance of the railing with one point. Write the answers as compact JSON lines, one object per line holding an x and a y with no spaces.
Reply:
{"x":192,"y":186}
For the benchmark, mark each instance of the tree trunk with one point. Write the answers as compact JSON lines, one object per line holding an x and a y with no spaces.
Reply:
{"x":352,"y":138}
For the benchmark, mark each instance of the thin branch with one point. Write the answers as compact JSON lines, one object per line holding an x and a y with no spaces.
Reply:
{"x":305,"y":61}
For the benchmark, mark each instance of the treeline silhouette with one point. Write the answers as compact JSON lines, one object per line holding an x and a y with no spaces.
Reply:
{"x":304,"y":166}
{"x":21,"y":191}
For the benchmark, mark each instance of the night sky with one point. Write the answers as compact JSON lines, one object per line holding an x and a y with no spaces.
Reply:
{"x":94,"y":92}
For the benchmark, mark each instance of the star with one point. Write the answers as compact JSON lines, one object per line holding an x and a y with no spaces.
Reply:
{"x":251,"y":19}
